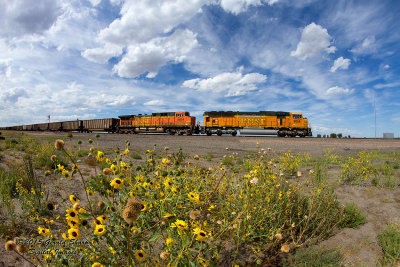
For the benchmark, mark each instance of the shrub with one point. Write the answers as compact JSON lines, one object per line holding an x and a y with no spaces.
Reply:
{"x":290,"y":163}
{"x":389,"y":240}
{"x":227,"y":161}
{"x":136,"y":156}
{"x":352,"y":217}
{"x":8,"y":179}
{"x":209,"y":156}
{"x":358,"y":168}
{"x":396,"y":165}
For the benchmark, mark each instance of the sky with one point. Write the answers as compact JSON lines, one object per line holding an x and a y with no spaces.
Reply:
{"x":336,"y":61}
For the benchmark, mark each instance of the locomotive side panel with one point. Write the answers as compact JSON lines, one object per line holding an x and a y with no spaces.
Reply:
{"x":229,"y":122}
{"x":170,"y":122}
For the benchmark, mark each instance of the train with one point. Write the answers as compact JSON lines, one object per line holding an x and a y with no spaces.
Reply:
{"x":280,"y":123}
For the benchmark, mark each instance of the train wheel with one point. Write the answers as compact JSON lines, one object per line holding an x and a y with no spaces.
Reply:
{"x":234,"y":133}
{"x":219,"y":132}
{"x":188,"y":132}
{"x":209,"y":133}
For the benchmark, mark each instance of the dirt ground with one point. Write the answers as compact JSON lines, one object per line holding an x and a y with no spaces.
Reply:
{"x":359,"y":246}
{"x":201,"y":145}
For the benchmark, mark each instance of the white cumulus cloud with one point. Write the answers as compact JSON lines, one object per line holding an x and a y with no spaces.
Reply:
{"x":336,"y":90}
{"x":95,"y":2}
{"x":102,"y":54}
{"x":20,"y":17}
{"x":231,"y":83}
{"x":12,"y":95}
{"x":150,"y":56}
{"x":238,"y":6}
{"x":156,"y":102}
{"x":341,"y":63}
{"x":139,"y":31}
{"x":142,"y":20}
{"x":314,"y":39}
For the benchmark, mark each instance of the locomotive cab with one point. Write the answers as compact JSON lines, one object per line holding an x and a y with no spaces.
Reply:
{"x":184,"y":118}
{"x":298,"y":122}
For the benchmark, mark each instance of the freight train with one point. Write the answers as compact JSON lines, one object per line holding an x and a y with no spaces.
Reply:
{"x":280,"y":123}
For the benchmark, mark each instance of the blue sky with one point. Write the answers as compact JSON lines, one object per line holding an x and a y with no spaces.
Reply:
{"x":332,"y":60}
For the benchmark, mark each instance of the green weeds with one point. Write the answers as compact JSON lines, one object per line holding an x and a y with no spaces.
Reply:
{"x":317,"y":257}
{"x":353,"y":217}
{"x":389,"y":240}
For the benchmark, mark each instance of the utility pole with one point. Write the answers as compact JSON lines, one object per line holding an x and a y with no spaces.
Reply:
{"x":375,"y":114}
{"x":48,"y":116}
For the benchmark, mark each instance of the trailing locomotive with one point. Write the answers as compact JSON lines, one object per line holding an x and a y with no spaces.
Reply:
{"x":170,"y":122}
{"x":290,"y":124}
{"x":280,"y":123}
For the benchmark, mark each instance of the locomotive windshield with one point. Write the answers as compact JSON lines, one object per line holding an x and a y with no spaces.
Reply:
{"x":296,"y":116}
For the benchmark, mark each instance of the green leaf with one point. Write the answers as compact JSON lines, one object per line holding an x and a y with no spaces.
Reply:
{"x":154,"y":238}
{"x":83,"y":216}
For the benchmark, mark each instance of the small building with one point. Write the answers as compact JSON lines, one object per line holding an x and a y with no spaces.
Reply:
{"x":388,"y":135}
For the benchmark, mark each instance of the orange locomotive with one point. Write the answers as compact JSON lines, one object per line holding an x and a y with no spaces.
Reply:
{"x":169,"y":122}
{"x":282,"y":123}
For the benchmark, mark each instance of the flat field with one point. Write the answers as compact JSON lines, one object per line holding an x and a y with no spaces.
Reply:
{"x":260,"y":201}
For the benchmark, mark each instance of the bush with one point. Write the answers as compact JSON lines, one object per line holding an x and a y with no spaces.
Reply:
{"x":333,"y":135}
{"x":358,"y":168}
{"x":389,"y":240}
{"x":353,"y":217}
{"x":8,"y":180}
{"x":209,"y":156}
{"x":227,"y":161}
{"x":290,"y":163}
{"x":136,"y":156}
